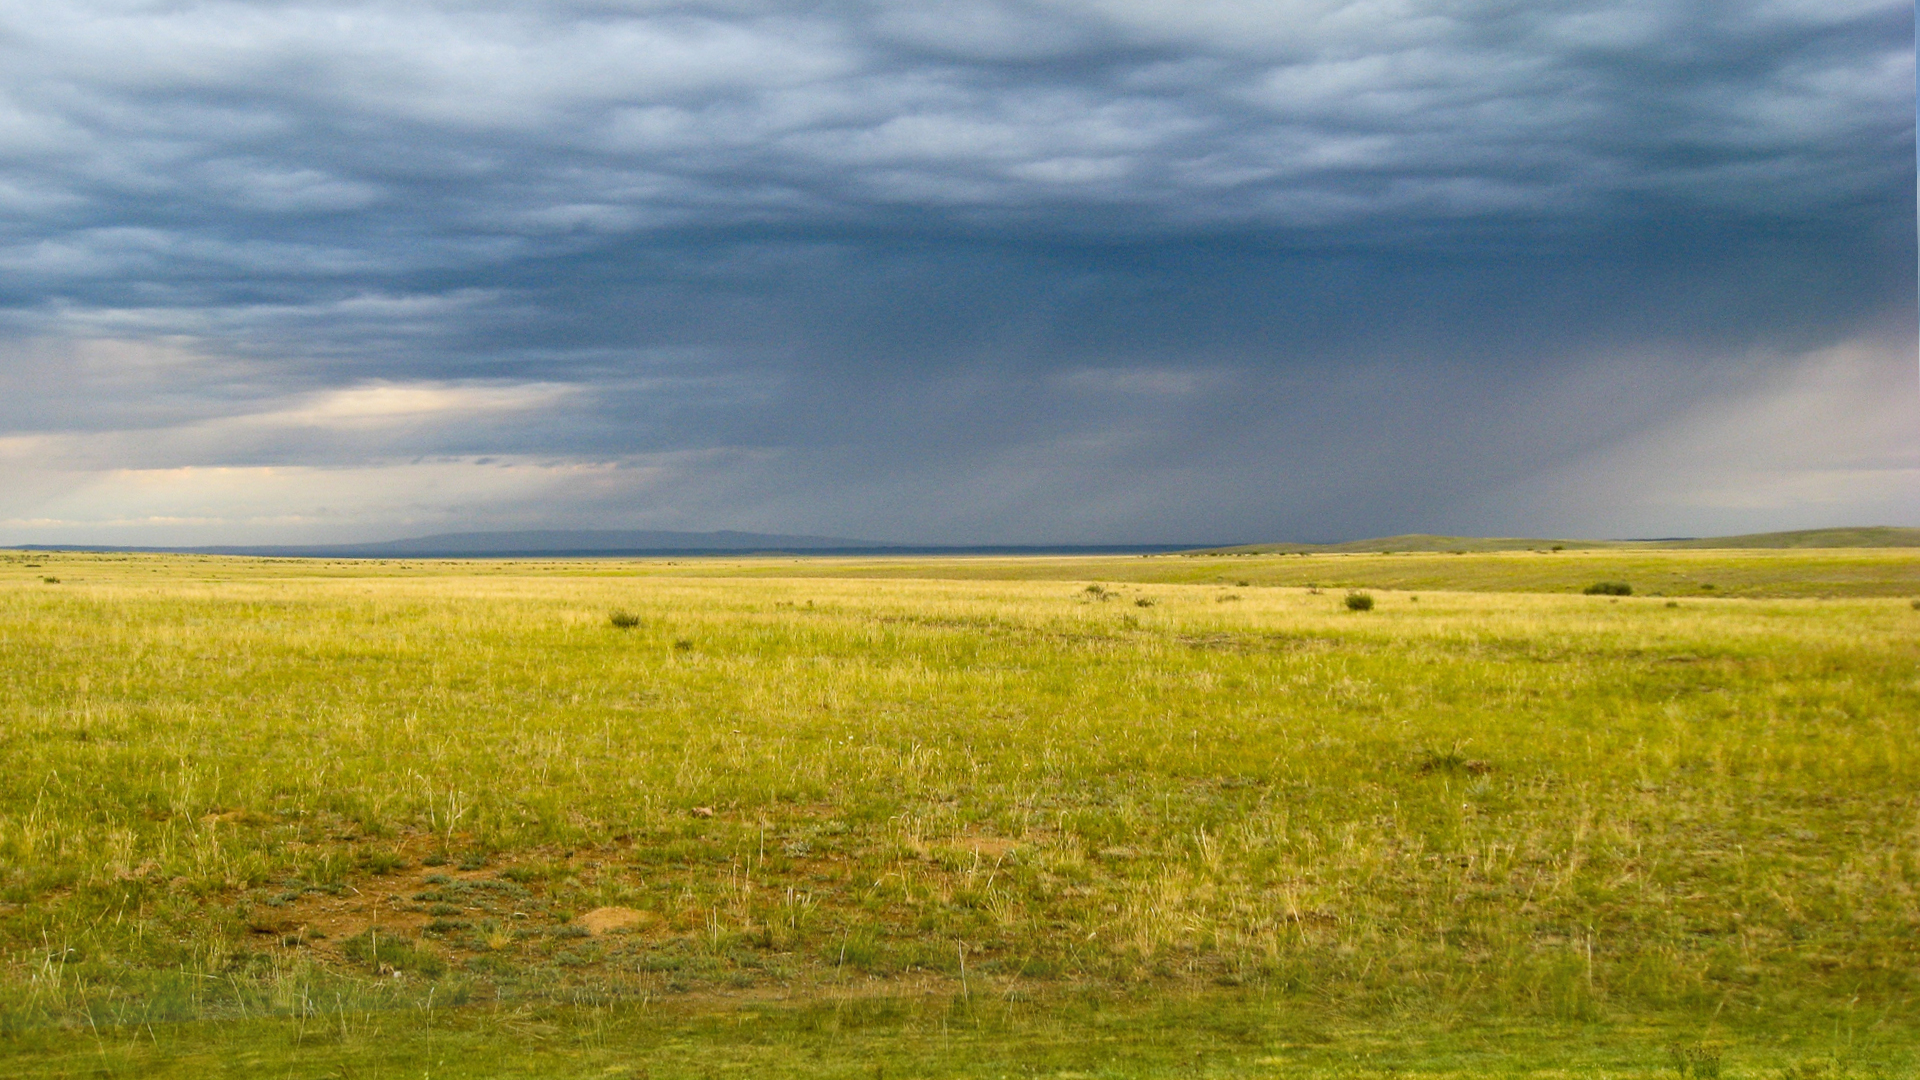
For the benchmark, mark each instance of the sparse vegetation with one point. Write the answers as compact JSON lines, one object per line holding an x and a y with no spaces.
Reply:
{"x":1493,"y":832}
{"x":1608,"y":588}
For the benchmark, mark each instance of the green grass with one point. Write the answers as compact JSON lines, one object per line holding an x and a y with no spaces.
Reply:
{"x":960,"y":817}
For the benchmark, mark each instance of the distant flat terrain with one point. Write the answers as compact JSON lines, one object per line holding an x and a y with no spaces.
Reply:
{"x":1702,"y":573}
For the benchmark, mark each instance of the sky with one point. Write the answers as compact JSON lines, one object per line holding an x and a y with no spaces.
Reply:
{"x":956,"y":271}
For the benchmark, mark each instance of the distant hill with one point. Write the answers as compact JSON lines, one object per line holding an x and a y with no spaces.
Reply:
{"x":1868,"y":537}
{"x":570,"y":541}
{"x":1423,"y":542}
{"x":536,"y":542}
{"x":564,"y":543}
{"x":1875,"y":536}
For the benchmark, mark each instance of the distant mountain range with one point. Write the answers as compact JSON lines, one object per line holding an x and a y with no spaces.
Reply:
{"x":551,"y":543}
{"x":547,"y":543}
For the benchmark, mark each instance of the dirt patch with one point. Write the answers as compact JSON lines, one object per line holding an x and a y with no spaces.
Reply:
{"x":609,"y":920}
{"x":320,"y":917}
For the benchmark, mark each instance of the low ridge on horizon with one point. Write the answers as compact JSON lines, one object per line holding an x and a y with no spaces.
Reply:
{"x":559,"y":542}
{"x":1838,"y":537}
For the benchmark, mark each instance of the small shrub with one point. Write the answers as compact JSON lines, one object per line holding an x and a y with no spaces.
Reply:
{"x":1916,"y":605}
{"x":1359,"y":601}
{"x":51,"y":580}
{"x":622,"y":619}
{"x":1097,"y":591}
{"x":1608,"y":588}
{"x":683,"y":645}
{"x":1144,"y":601}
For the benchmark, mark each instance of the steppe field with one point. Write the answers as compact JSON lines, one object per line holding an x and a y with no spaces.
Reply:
{"x":878,"y":819}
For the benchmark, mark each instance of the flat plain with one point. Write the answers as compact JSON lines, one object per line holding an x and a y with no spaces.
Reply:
{"x":1167,"y":816}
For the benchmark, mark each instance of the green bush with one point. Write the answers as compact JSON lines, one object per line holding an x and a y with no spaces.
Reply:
{"x":1609,"y":588}
{"x":1359,"y":601}
{"x":623,"y":619}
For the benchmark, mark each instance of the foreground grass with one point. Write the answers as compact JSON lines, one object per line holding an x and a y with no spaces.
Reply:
{"x":1081,"y":1037}
{"x":312,"y":812}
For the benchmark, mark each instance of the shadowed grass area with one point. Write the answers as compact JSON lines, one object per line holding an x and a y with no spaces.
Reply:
{"x":1218,"y":1035}
{"x":1560,"y":830}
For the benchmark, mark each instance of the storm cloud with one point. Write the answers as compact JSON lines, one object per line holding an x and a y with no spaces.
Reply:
{"x":1072,"y":271}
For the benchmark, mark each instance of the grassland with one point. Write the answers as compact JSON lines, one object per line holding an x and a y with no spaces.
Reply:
{"x":1127,"y":817}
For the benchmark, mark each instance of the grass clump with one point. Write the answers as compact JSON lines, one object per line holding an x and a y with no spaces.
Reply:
{"x":391,"y":954}
{"x":622,"y":619}
{"x":1608,"y":588}
{"x":1359,"y":601}
{"x":1697,"y":1060}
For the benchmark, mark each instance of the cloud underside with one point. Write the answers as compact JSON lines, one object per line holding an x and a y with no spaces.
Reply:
{"x":998,"y":271}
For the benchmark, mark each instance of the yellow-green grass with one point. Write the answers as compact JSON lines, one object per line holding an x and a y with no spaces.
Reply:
{"x":1552,"y":832}
{"x":1669,"y":574}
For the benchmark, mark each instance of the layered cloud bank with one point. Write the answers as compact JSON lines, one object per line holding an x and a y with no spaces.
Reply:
{"x":960,"y":271}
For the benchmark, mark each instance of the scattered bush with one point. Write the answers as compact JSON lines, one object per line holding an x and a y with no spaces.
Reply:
{"x":1609,"y":588}
{"x":1359,"y":601}
{"x":1143,"y":601}
{"x":623,"y":619}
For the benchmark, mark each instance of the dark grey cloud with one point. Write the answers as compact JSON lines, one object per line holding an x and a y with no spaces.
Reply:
{"x":1090,"y":269}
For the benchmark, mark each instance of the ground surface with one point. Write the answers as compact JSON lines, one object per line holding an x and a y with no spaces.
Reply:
{"x":983,"y":817}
